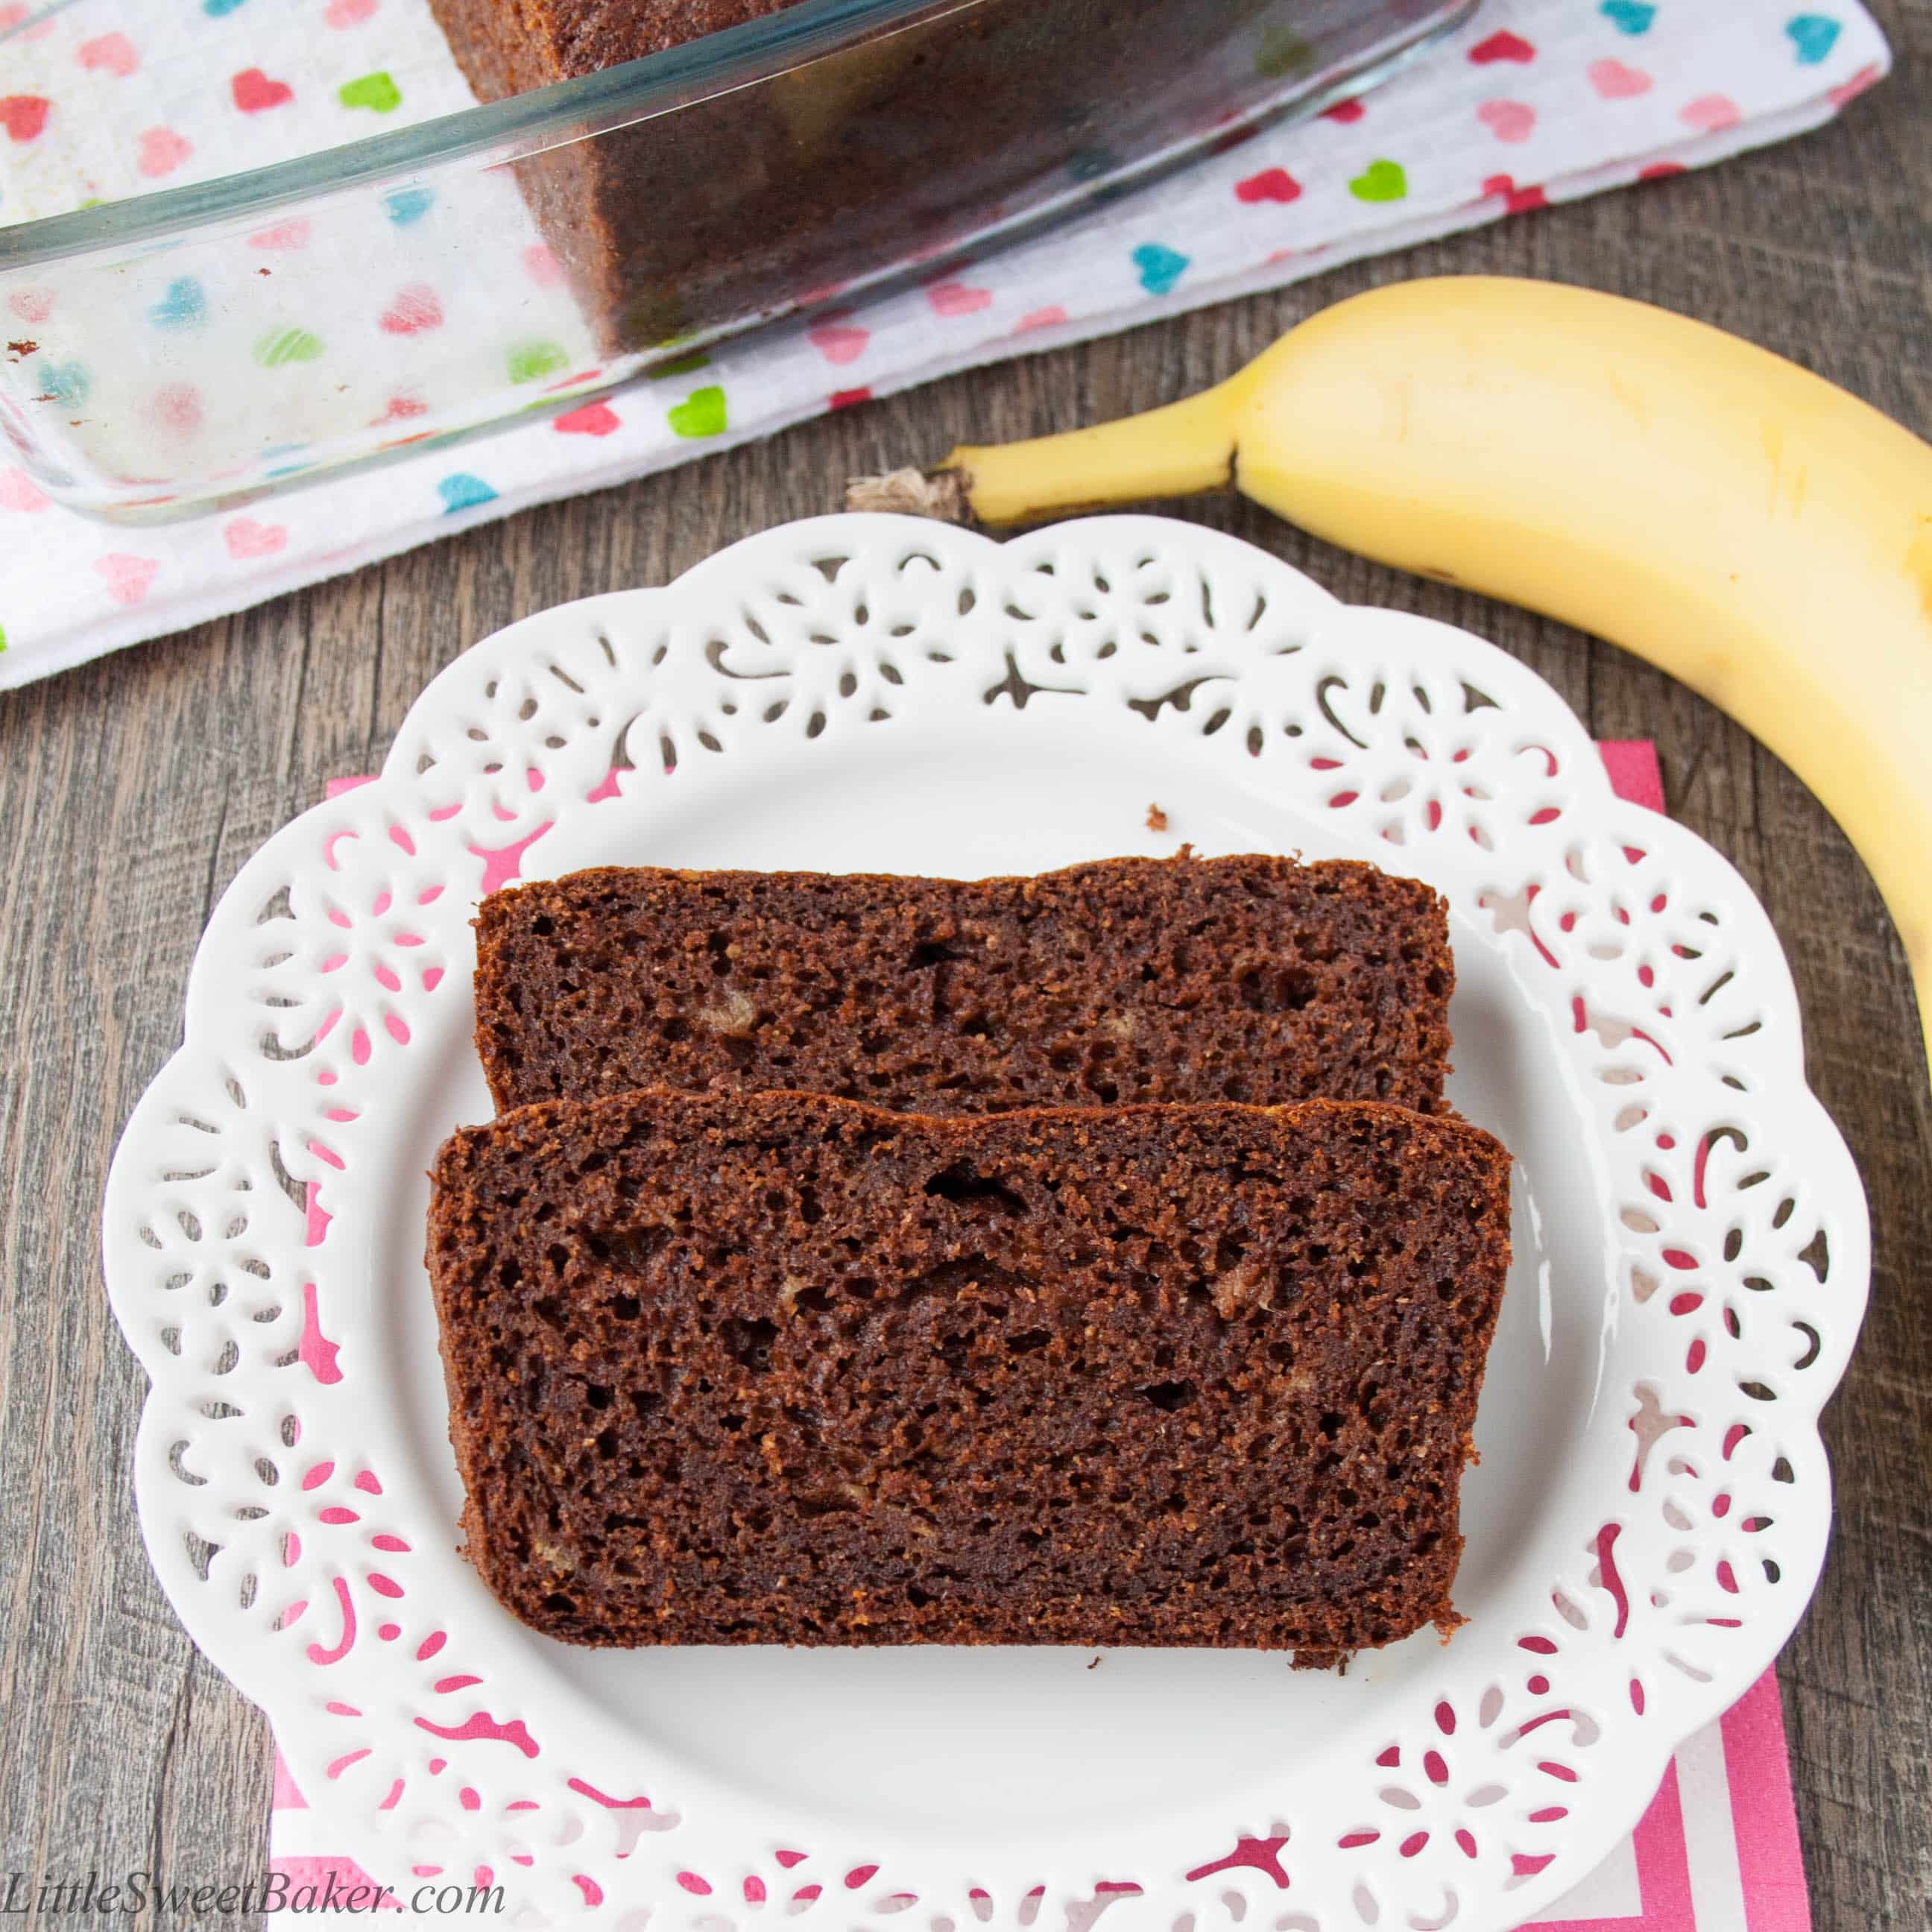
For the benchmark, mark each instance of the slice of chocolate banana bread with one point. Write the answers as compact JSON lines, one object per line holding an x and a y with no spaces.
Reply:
{"x":1252,"y":978}
{"x":780,"y":1368}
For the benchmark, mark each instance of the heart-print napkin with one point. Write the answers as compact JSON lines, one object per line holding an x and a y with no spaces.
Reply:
{"x":1717,"y":1852}
{"x":1535,"y":101}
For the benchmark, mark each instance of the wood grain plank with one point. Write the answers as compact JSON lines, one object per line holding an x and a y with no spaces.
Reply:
{"x":131,"y":791}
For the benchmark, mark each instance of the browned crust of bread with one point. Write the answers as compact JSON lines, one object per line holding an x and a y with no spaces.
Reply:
{"x":1254,"y":979}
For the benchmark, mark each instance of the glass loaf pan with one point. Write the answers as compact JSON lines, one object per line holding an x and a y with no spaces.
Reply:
{"x":173,"y":351}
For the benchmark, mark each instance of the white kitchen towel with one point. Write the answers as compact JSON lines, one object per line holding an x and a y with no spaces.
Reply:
{"x":1535,"y":101}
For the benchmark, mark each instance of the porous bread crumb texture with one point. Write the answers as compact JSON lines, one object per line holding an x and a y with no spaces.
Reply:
{"x":781,"y":1369}
{"x":1252,"y":978}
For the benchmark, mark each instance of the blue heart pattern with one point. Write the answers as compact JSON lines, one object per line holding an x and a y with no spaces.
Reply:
{"x":1628,"y":16}
{"x":1813,"y":35}
{"x":408,"y":204}
{"x":182,"y":307}
{"x":463,"y":491}
{"x":1160,"y":267}
{"x":64,"y":383}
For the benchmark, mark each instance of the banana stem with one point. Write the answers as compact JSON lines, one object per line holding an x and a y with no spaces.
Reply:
{"x":1178,"y":451}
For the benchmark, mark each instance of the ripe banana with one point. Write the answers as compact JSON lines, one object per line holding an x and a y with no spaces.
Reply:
{"x":1738,"y":521}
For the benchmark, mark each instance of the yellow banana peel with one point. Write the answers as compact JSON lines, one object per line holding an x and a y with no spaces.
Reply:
{"x":1723,"y":513}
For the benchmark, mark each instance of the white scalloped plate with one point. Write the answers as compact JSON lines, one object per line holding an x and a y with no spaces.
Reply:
{"x":1653,"y":1502}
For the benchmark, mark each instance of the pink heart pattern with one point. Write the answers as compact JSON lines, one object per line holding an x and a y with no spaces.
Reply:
{"x":31,"y":304}
{"x":1508,"y":120}
{"x":1711,"y":113}
{"x":127,"y":578}
{"x":176,"y":407}
{"x":285,"y":234}
{"x":19,"y":491}
{"x":245,"y":538}
{"x":108,"y":53}
{"x":1616,"y":82}
{"x":836,"y":340}
{"x":416,"y":309}
{"x":160,"y":151}
{"x":349,"y":13}
{"x":951,"y":298}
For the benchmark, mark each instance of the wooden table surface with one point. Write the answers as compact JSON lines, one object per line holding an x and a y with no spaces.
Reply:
{"x":132,"y":790}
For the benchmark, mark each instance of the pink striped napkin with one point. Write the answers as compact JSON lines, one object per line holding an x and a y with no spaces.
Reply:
{"x":1717,"y":1852}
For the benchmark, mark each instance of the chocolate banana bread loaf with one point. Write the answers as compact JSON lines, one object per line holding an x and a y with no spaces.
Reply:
{"x":1252,"y":979}
{"x":760,"y":198}
{"x":779,"y":1368}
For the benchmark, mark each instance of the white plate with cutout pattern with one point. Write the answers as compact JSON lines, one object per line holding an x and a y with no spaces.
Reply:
{"x":871,"y":693}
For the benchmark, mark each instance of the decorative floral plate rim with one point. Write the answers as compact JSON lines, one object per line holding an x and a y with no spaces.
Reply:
{"x":257,"y":1226}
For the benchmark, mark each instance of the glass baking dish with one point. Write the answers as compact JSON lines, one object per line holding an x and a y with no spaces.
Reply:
{"x":173,"y":351}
